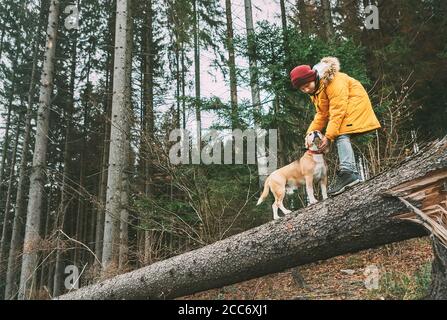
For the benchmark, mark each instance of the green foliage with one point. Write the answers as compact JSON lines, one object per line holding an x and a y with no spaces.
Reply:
{"x":402,"y":286}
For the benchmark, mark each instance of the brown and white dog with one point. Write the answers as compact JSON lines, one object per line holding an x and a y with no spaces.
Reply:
{"x":311,"y":167}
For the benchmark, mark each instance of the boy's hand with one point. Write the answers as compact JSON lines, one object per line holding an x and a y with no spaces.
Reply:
{"x":324,"y":144}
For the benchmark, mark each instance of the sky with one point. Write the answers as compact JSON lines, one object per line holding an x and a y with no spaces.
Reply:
{"x":213,"y":84}
{"x":212,"y":81}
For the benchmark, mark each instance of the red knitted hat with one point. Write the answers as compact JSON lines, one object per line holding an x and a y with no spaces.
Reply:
{"x":301,"y":75}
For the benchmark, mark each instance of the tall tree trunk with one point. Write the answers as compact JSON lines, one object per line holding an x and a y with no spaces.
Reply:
{"x":80,"y":214}
{"x":438,"y":285}
{"x":100,"y":216}
{"x":178,"y":83}
{"x":327,"y":15}
{"x":232,"y":66}
{"x":32,"y":239}
{"x":5,"y":146}
{"x":124,"y":214}
{"x":16,"y":237}
{"x":124,"y":226}
{"x":284,"y":28}
{"x":321,"y":231}
{"x":148,"y":96}
{"x":277,"y":109}
{"x":119,"y":137}
{"x":91,"y":231}
{"x":196,"y":30}
{"x":6,"y":232}
{"x":46,"y":262}
{"x":255,"y":92}
{"x":182,"y":48}
{"x":304,"y":17}
{"x":352,"y":23}
{"x":1,"y":41}
{"x":280,"y":99}
{"x":62,"y":210}
{"x":99,"y":234}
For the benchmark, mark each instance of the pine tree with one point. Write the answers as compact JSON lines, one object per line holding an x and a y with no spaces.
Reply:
{"x":32,"y":238}
{"x":119,"y":137}
{"x":232,"y":66}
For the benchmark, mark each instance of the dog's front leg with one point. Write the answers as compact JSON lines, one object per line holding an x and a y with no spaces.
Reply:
{"x":310,"y":189}
{"x":323,"y":185}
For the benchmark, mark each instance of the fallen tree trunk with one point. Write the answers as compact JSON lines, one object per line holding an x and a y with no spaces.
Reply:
{"x":361,"y":218}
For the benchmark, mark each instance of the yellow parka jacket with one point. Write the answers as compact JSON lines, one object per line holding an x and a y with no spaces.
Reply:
{"x":341,"y":102}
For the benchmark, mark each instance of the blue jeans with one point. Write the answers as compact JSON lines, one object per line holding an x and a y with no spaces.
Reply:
{"x":345,"y":153}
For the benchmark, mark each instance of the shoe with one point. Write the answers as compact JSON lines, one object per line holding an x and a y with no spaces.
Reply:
{"x":343,"y":180}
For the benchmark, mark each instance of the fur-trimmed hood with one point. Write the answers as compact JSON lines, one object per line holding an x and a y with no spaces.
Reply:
{"x":327,"y":68}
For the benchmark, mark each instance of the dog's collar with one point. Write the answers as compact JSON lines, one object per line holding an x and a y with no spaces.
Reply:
{"x":313,"y":152}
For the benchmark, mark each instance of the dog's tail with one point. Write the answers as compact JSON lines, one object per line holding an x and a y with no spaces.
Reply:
{"x":265,"y":192}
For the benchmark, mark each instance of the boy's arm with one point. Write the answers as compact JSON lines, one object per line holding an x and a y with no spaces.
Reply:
{"x":319,"y":122}
{"x":321,"y":116}
{"x":338,"y":94}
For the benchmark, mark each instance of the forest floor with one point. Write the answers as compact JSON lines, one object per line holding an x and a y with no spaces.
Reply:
{"x":403,"y":271}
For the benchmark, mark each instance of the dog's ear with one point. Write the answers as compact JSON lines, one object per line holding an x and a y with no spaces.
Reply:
{"x":306,"y":143}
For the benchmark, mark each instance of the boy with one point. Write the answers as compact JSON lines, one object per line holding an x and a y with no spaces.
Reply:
{"x":343,"y":104}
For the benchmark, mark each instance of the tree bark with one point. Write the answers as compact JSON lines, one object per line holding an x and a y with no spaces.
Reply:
{"x":352,"y":23}
{"x":124,"y":214}
{"x":196,"y":30}
{"x":148,"y":97}
{"x":280,"y":99}
{"x":1,"y":41}
{"x":5,"y":146}
{"x":183,"y":84}
{"x":46,"y":229}
{"x":124,"y":226}
{"x":16,"y":237}
{"x":118,"y":138}
{"x":304,"y":16}
{"x":285,"y":40}
{"x":100,"y":216}
{"x":32,"y":238}
{"x":321,"y":231}
{"x":80,"y":214}
{"x":63,"y":205}
{"x":232,"y":66}
{"x":177,"y":81}
{"x":327,"y":15}
{"x":438,"y":286}
{"x":255,"y":95}
{"x":254,"y":85}
{"x":6,"y":232}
